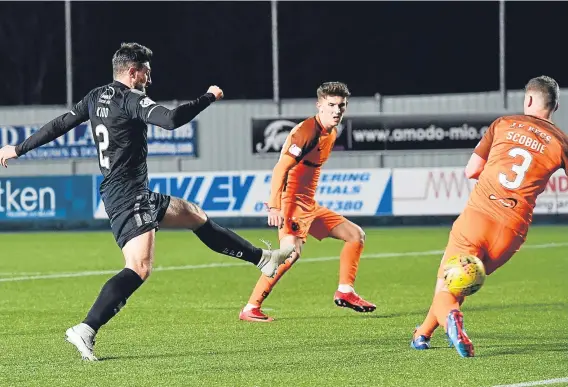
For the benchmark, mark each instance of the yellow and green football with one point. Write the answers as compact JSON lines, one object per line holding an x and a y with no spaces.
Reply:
{"x":464,"y":275}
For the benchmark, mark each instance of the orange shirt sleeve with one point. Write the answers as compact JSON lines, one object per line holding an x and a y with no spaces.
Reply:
{"x":298,"y":141}
{"x":294,"y":149}
{"x":279,"y":173}
{"x":482,"y":149}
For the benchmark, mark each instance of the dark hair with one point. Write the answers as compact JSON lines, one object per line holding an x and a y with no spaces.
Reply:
{"x":130,"y":54}
{"x":338,"y":89}
{"x":549,"y":89}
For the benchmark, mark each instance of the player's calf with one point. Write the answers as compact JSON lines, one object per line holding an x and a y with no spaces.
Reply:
{"x":354,"y":238}
{"x":138,"y":254}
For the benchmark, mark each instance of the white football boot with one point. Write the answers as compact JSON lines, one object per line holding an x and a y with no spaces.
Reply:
{"x":82,"y":336}
{"x":272,"y":259}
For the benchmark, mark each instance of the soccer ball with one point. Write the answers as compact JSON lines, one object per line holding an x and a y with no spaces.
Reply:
{"x":464,"y":275}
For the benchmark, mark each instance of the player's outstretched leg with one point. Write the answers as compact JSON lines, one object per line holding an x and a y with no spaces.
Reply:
{"x":183,"y":214}
{"x":252,"y":311}
{"x":354,"y":238}
{"x":138,"y":253}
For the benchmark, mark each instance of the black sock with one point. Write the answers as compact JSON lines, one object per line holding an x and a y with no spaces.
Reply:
{"x":113,"y":297}
{"x":226,"y":242}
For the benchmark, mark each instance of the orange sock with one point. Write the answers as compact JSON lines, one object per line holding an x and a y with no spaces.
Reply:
{"x":349,"y":262}
{"x":429,"y":325}
{"x":442,"y":304}
{"x":265,"y":284}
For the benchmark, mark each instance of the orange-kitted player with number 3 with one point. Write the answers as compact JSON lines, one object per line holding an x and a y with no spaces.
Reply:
{"x":513,"y":163}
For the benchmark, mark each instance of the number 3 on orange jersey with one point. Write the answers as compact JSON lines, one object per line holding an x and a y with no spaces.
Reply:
{"x":519,"y":169}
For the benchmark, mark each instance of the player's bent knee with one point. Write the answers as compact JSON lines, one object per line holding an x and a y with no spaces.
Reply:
{"x":142,"y":269}
{"x":361,"y":235}
{"x":194,"y":215}
{"x":356,"y":235}
{"x":139,"y":254}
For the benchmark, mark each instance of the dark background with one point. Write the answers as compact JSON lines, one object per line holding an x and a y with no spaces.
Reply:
{"x":394,"y":48}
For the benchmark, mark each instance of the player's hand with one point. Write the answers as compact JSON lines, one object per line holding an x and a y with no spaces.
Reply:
{"x":6,"y":153}
{"x":216,"y":91}
{"x":275,"y":218}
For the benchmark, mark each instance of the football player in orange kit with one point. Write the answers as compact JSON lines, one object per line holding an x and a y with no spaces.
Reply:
{"x":513,"y":163}
{"x":294,"y":210}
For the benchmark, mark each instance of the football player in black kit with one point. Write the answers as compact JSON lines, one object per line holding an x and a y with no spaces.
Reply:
{"x":119,"y":114}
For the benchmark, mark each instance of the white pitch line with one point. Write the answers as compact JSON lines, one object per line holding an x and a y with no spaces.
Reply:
{"x":8,"y":274}
{"x":236,"y":264}
{"x":536,"y":383}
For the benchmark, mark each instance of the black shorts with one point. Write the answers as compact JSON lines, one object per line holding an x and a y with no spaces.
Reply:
{"x":143,"y":213}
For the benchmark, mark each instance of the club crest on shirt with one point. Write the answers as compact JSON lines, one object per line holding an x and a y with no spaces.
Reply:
{"x":145,"y":102}
{"x":295,"y":150}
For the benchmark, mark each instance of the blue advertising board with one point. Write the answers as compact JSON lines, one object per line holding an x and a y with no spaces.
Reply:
{"x":50,"y":197}
{"x":350,"y":192}
{"x":79,"y":141}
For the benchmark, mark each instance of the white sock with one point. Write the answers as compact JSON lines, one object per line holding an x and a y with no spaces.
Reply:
{"x":264,"y":258}
{"x":86,"y":329}
{"x":345,"y":288}
{"x":249,"y":307}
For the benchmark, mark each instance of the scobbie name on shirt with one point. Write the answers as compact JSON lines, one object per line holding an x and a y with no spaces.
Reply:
{"x":528,"y":141}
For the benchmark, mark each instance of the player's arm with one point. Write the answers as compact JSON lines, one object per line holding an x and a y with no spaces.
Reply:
{"x":49,"y":132}
{"x":152,"y":113}
{"x":480,"y":154}
{"x":474,"y":166}
{"x":294,"y":149}
{"x":279,"y":173}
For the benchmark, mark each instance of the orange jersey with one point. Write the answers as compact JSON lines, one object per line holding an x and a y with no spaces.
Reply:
{"x":310,"y":145}
{"x":522,"y":152}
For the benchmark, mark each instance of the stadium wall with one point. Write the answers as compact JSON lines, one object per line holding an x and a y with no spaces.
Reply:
{"x":224,"y":139}
{"x":370,"y":196}
{"x":370,"y":187}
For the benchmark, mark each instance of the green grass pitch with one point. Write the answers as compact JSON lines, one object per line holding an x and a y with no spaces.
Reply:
{"x":182,"y":329}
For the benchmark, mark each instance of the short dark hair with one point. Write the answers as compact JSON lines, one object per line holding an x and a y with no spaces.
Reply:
{"x":549,"y":89}
{"x":130,"y":54}
{"x":338,"y":89}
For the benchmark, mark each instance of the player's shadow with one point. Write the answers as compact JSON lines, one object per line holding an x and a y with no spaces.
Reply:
{"x":321,"y":317}
{"x":351,"y":314}
{"x":482,"y":308}
{"x":252,"y":350}
{"x":520,"y":349}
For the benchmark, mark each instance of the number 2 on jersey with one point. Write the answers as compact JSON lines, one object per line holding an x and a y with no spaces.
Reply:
{"x":519,"y":169}
{"x":102,"y":135}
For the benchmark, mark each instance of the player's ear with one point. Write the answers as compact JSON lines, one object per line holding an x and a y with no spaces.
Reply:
{"x":557,"y":106}
{"x":132,"y":72}
{"x":530,"y":101}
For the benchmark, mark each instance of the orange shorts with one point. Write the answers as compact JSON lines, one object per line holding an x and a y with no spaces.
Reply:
{"x":301,"y":220}
{"x":480,"y":235}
